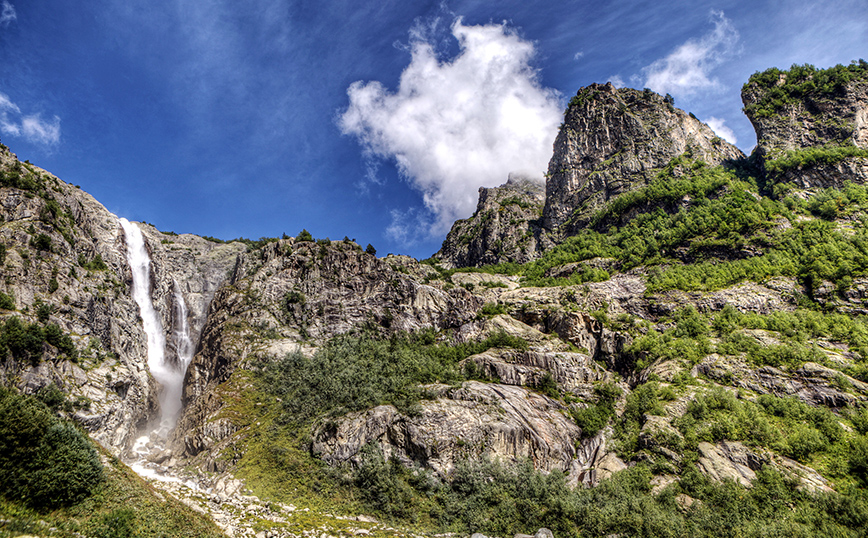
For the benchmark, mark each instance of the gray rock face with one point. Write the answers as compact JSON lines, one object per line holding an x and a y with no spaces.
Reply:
{"x":291,"y":295}
{"x":616,"y":140}
{"x":506,"y":227}
{"x":573,"y":372}
{"x":499,"y":421}
{"x":812,"y":383}
{"x":731,"y":460}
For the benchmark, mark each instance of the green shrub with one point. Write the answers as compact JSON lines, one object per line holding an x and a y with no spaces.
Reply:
{"x":44,"y":461}
{"x":594,"y":418}
{"x":304,"y":236}
{"x":7,"y":302}
{"x":119,"y":523}
{"x":43,"y":312}
{"x":352,"y":373}
{"x":492,"y":309}
{"x":96,"y":264}
{"x":781,"y":89}
{"x":371,"y":250}
{"x":41,"y":242}
{"x":65,"y":468}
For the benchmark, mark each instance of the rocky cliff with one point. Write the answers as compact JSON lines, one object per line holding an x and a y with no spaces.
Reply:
{"x":65,"y":265}
{"x":616,"y":140}
{"x":811,"y":124}
{"x":612,"y":141}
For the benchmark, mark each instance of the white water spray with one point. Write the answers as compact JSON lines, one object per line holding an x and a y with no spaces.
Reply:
{"x":169,"y":375}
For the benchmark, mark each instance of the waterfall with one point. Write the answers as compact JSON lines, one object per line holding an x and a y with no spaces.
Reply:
{"x":184,"y":347}
{"x":169,"y":375}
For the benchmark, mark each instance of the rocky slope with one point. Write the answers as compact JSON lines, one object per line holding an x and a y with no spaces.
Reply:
{"x":506,"y":227}
{"x":612,"y":141}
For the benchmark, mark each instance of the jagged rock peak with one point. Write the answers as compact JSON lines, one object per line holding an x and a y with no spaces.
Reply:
{"x":614,"y":140}
{"x":811,"y":124}
{"x":505,"y":226}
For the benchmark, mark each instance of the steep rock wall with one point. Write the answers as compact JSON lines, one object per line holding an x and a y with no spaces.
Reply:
{"x":616,"y":140}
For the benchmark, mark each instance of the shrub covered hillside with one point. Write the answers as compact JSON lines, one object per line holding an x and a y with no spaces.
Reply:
{"x":692,"y":361}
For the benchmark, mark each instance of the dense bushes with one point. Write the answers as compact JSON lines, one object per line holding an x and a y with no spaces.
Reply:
{"x":813,"y":157}
{"x":44,"y":461}
{"x":25,"y":340}
{"x":783,"y":88}
{"x":502,"y":499}
{"x":785,"y":425}
{"x":594,"y":418}
{"x":689,"y":338}
{"x":351,"y":373}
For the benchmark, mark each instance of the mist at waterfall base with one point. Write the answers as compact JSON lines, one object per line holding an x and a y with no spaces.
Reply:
{"x":168,"y":372}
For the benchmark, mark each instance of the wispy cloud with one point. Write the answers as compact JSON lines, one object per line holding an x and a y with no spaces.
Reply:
{"x":7,"y":14}
{"x":32,"y":127}
{"x":689,"y":67}
{"x":719,"y":127}
{"x":616,"y":81}
{"x":453,"y":126}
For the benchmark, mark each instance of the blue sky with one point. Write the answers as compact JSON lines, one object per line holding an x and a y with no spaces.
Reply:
{"x":373,"y":120}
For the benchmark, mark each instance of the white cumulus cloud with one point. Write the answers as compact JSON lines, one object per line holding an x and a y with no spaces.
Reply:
{"x":688,"y":68}
{"x":718,"y":126}
{"x":455,"y":125}
{"x":32,"y":127}
{"x":7,"y":13}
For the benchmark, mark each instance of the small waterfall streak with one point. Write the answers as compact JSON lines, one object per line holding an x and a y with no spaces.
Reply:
{"x":184,"y":350}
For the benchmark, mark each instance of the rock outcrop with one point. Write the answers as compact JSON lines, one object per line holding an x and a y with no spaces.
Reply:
{"x":293,"y":295}
{"x":809,"y":109}
{"x":498,"y":421}
{"x":506,"y":227}
{"x":616,"y":140}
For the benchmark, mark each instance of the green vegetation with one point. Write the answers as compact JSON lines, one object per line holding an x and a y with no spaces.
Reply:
{"x":41,"y":242}
{"x":7,"y":302}
{"x":304,"y":235}
{"x":51,"y":477}
{"x":784,"y":88}
{"x":94,"y":264}
{"x":813,"y":157}
{"x":593,"y":419}
{"x":352,"y":373}
{"x":25,"y":341}
{"x":44,"y":462}
{"x":499,"y":499}
{"x":690,"y":338}
{"x":492,"y":309}
{"x":708,"y":229}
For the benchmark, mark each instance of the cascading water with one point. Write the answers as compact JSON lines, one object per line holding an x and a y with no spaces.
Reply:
{"x":169,"y":374}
